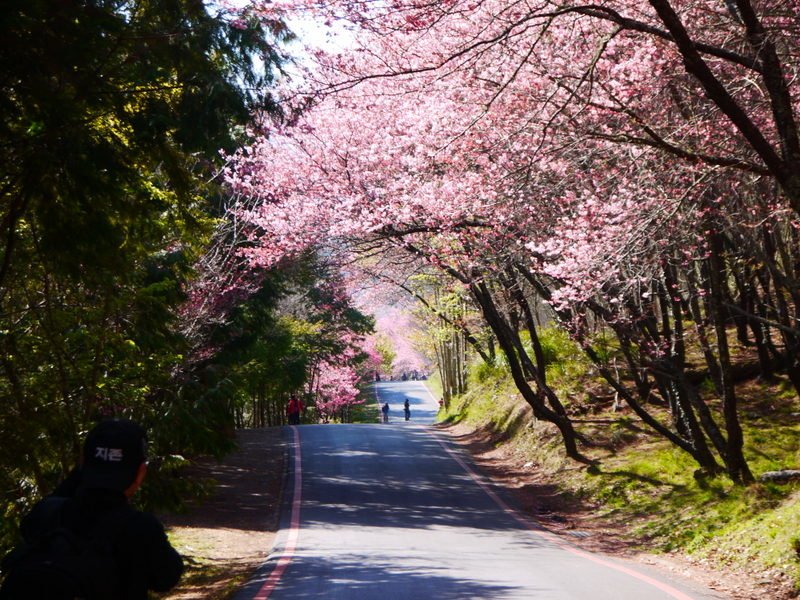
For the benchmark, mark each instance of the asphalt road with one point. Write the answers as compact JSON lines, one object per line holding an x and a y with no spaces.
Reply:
{"x":389,"y":511}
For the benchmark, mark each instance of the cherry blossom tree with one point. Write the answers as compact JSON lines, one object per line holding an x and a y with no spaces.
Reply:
{"x":336,"y":347}
{"x":398,"y":326}
{"x":612,"y":159}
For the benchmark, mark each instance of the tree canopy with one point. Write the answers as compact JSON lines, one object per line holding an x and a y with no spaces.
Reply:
{"x":631,"y":165}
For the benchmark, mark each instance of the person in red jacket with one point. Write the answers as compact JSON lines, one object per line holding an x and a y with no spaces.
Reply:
{"x":293,"y":409}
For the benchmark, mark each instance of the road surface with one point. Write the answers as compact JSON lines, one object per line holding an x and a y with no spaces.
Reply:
{"x":393,"y":511}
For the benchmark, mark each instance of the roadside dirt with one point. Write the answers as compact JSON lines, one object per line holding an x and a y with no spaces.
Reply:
{"x":225,"y":538}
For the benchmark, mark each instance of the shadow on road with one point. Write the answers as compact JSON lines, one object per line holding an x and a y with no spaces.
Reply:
{"x":362,"y":576}
{"x":409,"y":481}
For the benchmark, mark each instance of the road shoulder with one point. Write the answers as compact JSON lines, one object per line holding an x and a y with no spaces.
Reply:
{"x":226,"y":537}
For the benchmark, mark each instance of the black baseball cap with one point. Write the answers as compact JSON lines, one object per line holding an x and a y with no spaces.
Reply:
{"x":112,"y":453}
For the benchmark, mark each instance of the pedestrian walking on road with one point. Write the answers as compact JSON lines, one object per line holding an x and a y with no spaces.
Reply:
{"x":385,"y":411}
{"x":407,"y":410}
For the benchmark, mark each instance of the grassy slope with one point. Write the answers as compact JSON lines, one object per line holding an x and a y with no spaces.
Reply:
{"x":646,"y":486}
{"x":368,"y":411}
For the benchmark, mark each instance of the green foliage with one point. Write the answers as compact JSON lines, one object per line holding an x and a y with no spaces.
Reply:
{"x":707,"y":517}
{"x":605,"y":346}
{"x":566,"y":364}
{"x":368,"y":411}
{"x":106,"y":109}
{"x":273,"y":342}
{"x":489,"y":401}
{"x":384,"y":347}
{"x":560,"y":352}
{"x":113,"y":117}
{"x":434,"y":384}
{"x":482,"y":372}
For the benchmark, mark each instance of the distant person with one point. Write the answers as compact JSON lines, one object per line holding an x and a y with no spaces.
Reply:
{"x":407,"y":409}
{"x":385,"y":411}
{"x":85,"y":540}
{"x":293,"y":409}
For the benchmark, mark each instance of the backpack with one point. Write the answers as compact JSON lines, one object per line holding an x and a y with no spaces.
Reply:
{"x":61,"y":564}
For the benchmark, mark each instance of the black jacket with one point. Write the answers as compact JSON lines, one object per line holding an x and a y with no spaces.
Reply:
{"x":143,"y":555}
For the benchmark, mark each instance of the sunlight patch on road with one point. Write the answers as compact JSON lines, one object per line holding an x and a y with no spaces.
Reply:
{"x":352,"y":453}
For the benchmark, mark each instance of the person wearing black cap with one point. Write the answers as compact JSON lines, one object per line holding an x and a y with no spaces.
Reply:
{"x":93,"y":505}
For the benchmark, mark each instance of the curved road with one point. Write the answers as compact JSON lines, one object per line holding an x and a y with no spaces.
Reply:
{"x":393,"y":511}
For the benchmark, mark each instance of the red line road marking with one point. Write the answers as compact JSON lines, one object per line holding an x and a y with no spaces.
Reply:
{"x":525,"y":522}
{"x":294,"y":529}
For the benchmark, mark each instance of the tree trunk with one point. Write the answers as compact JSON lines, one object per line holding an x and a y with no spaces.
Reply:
{"x":504,"y":336}
{"x":735,"y":462}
